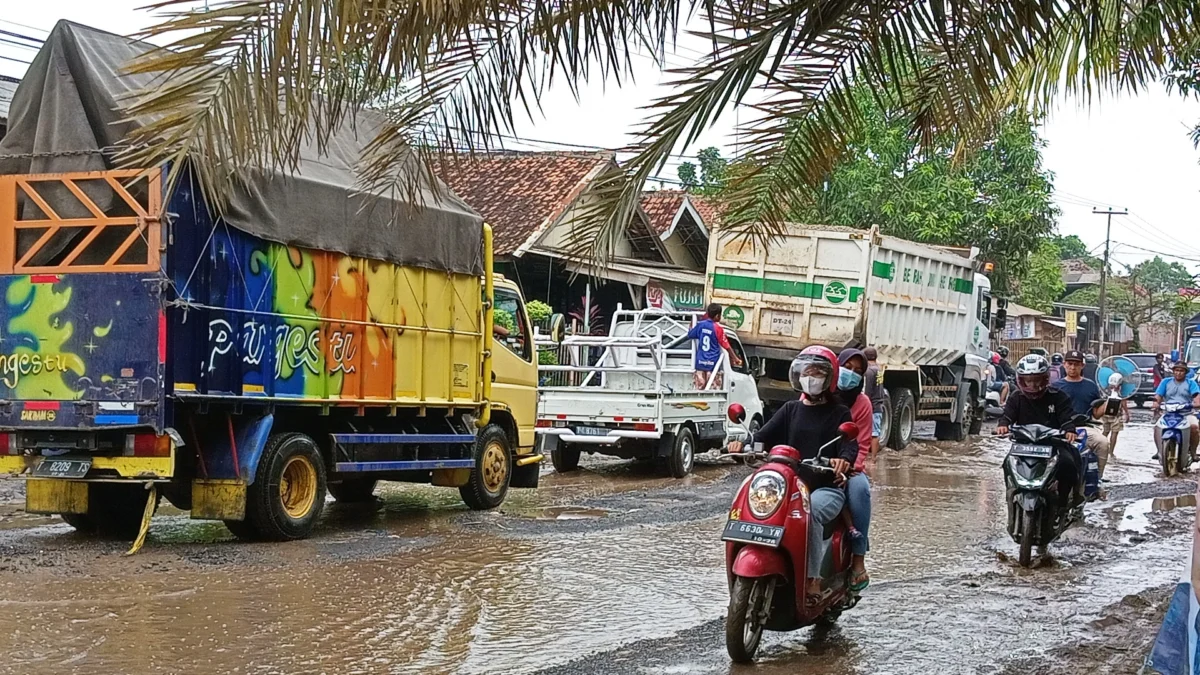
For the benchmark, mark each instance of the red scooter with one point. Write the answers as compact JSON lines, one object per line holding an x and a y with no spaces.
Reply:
{"x":766,"y":551}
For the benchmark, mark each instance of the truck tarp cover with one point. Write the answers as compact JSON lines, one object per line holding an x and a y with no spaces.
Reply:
{"x":68,"y":104}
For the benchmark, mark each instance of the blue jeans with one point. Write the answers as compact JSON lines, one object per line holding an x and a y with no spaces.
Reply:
{"x":858,"y":496}
{"x":825,"y":505}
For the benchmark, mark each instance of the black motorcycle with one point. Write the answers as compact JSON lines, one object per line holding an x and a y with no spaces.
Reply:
{"x":1036,"y":513}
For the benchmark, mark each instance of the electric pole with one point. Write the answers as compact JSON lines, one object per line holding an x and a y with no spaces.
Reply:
{"x":1104,"y":275}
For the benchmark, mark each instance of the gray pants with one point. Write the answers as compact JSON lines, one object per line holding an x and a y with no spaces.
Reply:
{"x":826,"y":504}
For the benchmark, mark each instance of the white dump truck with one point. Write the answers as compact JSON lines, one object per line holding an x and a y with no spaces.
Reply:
{"x":924,"y":309}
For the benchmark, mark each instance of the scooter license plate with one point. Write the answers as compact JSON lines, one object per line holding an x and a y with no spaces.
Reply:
{"x":752,"y":533}
{"x":1023,"y":450}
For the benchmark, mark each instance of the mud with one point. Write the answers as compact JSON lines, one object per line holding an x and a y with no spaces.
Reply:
{"x":611,"y":569}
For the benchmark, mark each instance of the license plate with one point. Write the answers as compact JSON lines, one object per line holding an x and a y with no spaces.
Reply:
{"x":1023,"y":450}
{"x":62,"y":468}
{"x":752,"y":533}
{"x":591,"y":431}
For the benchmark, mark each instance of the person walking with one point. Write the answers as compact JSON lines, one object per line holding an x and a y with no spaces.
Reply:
{"x":873,"y":389}
{"x":1116,"y":411}
{"x":1086,"y":399}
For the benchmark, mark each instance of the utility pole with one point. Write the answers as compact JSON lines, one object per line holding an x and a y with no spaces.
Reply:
{"x":1104,"y":274}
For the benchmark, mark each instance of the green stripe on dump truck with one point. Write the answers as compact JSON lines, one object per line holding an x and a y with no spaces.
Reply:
{"x":794,"y":289}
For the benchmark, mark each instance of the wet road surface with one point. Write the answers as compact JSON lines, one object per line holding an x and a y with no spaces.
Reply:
{"x":613,"y":569}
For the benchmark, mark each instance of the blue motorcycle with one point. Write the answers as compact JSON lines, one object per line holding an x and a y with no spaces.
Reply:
{"x":1174,"y":426}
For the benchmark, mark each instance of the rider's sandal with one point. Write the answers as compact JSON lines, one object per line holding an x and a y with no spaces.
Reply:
{"x":859,"y":582}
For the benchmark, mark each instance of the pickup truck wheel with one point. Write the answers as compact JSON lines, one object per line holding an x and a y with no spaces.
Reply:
{"x":353,"y":490}
{"x":565,"y":458}
{"x":683,"y":453}
{"x":904,"y":417}
{"x":489,"y":480}
{"x":288,"y":492}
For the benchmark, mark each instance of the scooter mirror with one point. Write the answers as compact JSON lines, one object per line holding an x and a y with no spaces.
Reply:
{"x":737,"y":414}
{"x":848,"y":430}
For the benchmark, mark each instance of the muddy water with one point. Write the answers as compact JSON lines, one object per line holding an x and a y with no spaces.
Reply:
{"x":417,"y":585}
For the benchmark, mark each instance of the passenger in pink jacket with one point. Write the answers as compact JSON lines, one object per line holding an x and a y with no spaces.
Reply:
{"x":858,"y":489}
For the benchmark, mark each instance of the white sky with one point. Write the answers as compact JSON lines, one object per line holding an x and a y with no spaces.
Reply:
{"x":1132,"y":152}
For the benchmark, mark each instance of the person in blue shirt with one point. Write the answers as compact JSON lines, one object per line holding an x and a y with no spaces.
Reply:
{"x":1178,"y":389}
{"x":710,"y":340}
{"x":1084,"y":395}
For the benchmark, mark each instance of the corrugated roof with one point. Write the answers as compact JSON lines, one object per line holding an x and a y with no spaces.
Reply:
{"x":8,"y":85}
{"x":521,"y":194}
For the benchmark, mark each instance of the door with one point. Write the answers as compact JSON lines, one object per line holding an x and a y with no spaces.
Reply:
{"x":513,"y":369}
{"x":742,"y":387}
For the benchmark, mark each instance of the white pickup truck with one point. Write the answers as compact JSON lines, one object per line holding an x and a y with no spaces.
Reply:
{"x":630,"y":394}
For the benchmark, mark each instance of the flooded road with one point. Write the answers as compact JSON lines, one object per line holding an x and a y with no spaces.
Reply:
{"x":612,"y":569}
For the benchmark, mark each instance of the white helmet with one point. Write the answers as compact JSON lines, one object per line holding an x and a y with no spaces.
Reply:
{"x":1033,"y":375}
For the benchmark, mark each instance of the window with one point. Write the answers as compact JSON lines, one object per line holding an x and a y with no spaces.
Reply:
{"x":509,"y":327}
{"x":741,"y":354}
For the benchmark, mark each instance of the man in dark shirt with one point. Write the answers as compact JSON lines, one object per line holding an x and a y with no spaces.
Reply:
{"x":1006,"y":367}
{"x":1035,"y":402}
{"x":1084,"y":392}
{"x":873,"y":388}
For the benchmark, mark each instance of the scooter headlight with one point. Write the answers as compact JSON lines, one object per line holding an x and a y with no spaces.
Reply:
{"x":1029,"y":477}
{"x":767,"y":490}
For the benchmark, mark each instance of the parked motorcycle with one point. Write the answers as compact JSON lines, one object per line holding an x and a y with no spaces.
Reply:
{"x":1173,"y":454}
{"x":766,"y":556}
{"x":1036,"y":516}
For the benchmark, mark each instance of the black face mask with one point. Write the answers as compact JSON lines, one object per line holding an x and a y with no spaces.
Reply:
{"x":850,"y":395}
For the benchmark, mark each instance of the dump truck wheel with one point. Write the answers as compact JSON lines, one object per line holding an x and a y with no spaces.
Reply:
{"x":242,"y":529}
{"x":288,"y":492}
{"x":82,"y":523}
{"x":904,"y":417}
{"x":489,"y":480}
{"x":354,"y":490}
{"x":114,"y":510}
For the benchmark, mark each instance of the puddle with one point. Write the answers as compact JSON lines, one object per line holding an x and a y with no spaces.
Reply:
{"x":1135,"y":517}
{"x":571,"y":513}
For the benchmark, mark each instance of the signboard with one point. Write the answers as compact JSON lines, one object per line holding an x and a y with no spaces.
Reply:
{"x":1020,"y":328}
{"x":1072,"y":321}
{"x":674,"y":297}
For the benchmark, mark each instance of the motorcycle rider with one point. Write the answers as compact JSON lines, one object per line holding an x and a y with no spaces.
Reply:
{"x":858,"y":488}
{"x":1056,"y":368}
{"x":1085,"y":394}
{"x":1178,"y":389}
{"x":807,"y":424}
{"x":1036,"y":402}
{"x":1005,"y":367}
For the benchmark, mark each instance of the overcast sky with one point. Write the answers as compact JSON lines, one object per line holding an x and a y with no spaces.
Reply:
{"x":1132,"y":153}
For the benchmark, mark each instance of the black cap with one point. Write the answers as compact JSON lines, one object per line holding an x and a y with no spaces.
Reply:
{"x":1073,"y":355}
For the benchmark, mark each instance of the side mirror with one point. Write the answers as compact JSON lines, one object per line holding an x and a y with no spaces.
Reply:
{"x":557,"y":327}
{"x":737,"y":413}
{"x":1000,"y":319}
{"x":848,"y":430}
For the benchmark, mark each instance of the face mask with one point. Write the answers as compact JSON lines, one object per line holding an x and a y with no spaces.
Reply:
{"x":848,"y":379}
{"x":813,"y":386}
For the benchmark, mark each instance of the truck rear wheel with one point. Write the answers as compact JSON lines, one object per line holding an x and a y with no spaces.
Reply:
{"x":489,"y":480}
{"x":683,"y":453}
{"x":288,"y":492}
{"x":114,"y":510}
{"x":353,"y":490}
{"x":904,"y":417}
{"x":565,"y":458}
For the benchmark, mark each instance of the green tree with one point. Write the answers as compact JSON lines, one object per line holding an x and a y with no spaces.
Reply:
{"x":1149,"y":292}
{"x":239,"y":86}
{"x":1071,"y":247}
{"x":1042,"y":283}
{"x":998,"y":199}
{"x":714,"y":172}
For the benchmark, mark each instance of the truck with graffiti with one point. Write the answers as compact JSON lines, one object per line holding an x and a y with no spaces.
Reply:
{"x":923,"y":308}
{"x":309,"y":338}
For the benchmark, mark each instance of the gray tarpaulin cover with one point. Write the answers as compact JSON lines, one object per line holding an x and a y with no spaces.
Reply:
{"x":69,"y":102}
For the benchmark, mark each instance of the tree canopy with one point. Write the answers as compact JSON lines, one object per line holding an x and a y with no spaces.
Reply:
{"x":252,"y":81}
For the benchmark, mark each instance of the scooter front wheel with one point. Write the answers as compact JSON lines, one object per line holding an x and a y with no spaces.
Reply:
{"x":1025,"y":556}
{"x":748,"y":611}
{"x":1168,"y":455}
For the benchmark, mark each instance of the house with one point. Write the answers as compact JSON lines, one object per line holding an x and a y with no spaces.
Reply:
{"x":1027,"y":328}
{"x":8,"y":86}
{"x":538,"y":204}
{"x":683,"y":222}
{"x":1077,"y":274}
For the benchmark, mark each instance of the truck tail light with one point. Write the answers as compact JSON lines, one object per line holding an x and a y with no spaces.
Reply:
{"x":644,"y":427}
{"x":8,"y":444}
{"x":543,"y":423}
{"x":147,"y":445}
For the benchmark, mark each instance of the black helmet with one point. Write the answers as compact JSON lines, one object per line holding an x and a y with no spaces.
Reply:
{"x":1003,"y":352}
{"x":1057,"y":359}
{"x":1089,"y":358}
{"x":1033,"y":375}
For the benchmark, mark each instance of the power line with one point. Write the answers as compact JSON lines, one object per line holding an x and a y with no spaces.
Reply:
{"x":22,"y":37}
{"x":26,"y":26}
{"x":9,"y":58}
{"x":1159,"y":253}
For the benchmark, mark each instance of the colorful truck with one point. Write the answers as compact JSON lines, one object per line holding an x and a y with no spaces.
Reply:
{"x":241,"y":365}
{"x":923,"y":308}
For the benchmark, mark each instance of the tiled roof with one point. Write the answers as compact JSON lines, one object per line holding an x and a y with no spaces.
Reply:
{"x":662,"y":207}
{"x":709,"y":210}
{"x":1076,"y":271}
{"x":521,"y":194}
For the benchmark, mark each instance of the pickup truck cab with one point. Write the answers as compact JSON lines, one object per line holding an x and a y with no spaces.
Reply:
{"x":631,"y":394}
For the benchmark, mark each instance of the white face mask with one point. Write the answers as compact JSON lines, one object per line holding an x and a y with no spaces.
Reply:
{"x":813,"y":386}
